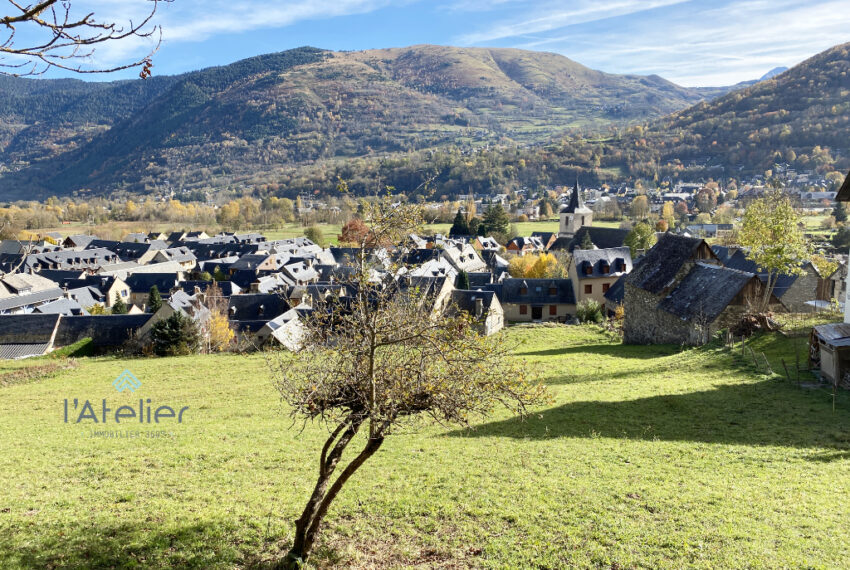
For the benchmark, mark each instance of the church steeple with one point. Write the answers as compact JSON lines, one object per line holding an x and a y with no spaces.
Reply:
{"x":575,"y":214}
{"x":576,"y":202}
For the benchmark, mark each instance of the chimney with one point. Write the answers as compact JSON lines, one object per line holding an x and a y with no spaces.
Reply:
{"x":479,"y":307}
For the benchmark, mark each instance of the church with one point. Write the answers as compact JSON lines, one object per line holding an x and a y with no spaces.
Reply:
{"x":576,"y":222}
{"x":574,"y":215}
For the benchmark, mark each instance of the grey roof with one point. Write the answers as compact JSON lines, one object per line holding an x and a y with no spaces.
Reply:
{"x":17,"y":301}
{"x":603,"y":238}
{"x":537,"y":291}
{"x":705,"y":292}
{"x":86,"y":296}
{"x":136,"y":238}
{"x":142,"y":282}
{"x":15,"y":351}
{"x":104,"y":330}
{"x":479,"y":278}
{"x":834,"y":334}
{"x":465,"y":300}
{"x":62,"y":307}
{"x":661,"y":263}
{"x":128,"y":251}
{"x":250,"y":261}
{"x":257,"y":306}
{"x":740,"y":262}
{"x":27,"y":329}
{"x":523,"y":242}
{"x":723,"y":253}
{"x":78,"y":240}
{"x":593,"y":263}
{"x":227,"y":288}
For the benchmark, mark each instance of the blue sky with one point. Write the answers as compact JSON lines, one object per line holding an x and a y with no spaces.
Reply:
{"x":696,"y":42}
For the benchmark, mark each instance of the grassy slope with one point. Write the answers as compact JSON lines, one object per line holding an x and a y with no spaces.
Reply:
{"x":648,"y":457}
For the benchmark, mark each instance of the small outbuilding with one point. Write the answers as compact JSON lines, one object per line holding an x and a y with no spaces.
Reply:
{"x":829,"y":350}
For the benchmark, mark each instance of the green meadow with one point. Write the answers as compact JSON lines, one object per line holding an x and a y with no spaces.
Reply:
{"x":646,"y":457}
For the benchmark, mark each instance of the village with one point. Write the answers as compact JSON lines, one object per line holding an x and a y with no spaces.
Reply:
{"x":682,"y":290}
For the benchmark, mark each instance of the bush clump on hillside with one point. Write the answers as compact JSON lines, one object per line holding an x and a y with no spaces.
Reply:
{"x":175,"y":336}
{"x":590,"y":311}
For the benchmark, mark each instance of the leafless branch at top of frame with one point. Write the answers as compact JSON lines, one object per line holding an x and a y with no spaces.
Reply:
{"x":56,"y":38}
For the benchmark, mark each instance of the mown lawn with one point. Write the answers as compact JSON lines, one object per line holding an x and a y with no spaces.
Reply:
{"x":647,"y":457}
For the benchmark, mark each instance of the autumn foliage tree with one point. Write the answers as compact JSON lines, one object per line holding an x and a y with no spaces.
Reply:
{"x":218,"y":332}
{"x":382,"y":356}
{"x":775,"y":241}
{"x":354,"y":232}
{"x":534,"y":266}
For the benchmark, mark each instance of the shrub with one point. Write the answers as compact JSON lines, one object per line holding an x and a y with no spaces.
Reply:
{"x":589,"y":311}
{"x":315,"y":234}
{"x":177,"y":335}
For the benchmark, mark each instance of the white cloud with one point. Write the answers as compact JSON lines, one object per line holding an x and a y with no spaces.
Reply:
{"x":704,"y":43}
{"x":198,"y":20}
{"x":554,"y":15}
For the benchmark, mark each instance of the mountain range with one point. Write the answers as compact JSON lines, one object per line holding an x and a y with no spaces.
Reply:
{"x":297,"y":119}
{"x":301,"y":106}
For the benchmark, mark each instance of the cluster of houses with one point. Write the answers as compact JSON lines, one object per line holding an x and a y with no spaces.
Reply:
{"x":53,"y":293}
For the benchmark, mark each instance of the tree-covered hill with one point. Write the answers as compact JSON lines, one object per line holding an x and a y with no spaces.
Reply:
{"x":301,"y":107}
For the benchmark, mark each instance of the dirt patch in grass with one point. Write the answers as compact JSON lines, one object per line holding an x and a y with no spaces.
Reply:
{"x":34,"y":373}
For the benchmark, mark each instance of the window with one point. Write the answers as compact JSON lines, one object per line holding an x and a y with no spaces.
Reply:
{"x":588,"y":289}
{"x":605,"y":287}
{"x":553,"y":310}
{"x":523,"y":291}
{"x":588,"y":268}
{"x":606,"y":268}
{"x":553,"y":290}
{"x":523,"y":309}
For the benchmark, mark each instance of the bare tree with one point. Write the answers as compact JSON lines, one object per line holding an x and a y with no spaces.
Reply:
{"x":53,"y":35}
{"x":382,"y":354}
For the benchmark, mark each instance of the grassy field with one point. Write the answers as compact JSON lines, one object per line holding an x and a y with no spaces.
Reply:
{"x":647,"y":457}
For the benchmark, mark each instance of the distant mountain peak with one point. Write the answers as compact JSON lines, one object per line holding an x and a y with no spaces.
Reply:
{"x":773,"y":73}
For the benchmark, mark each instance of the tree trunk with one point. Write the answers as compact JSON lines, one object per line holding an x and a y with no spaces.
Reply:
{"x":308,"y":526}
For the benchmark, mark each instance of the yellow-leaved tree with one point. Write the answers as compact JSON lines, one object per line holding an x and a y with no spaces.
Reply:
{"x":775,"y":239}
{"x":219,"y":334}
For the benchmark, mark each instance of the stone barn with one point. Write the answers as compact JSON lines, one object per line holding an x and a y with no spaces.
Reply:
{"x":680,"y":293}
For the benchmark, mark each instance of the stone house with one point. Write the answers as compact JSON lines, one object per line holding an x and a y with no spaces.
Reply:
{"x":594,"y":271}
{"x":680,"y":293}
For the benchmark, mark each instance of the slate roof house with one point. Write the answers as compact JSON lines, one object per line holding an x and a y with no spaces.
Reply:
{"x":483,"y":306}
{"x":594,"y":271}
{"x":680,"y":293}
{"x":140,"y":286}
{"x":523,"y":245}
{"x":546,"y":238}
{"x":530,"y":300}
